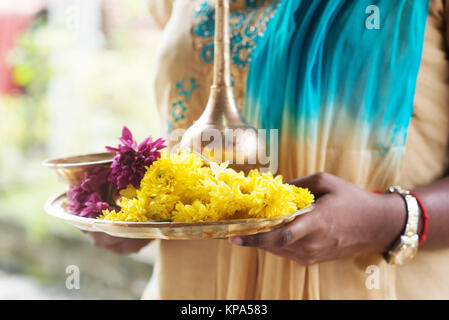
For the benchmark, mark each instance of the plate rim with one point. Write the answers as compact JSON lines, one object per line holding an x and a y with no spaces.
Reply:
{"x":51,"y":210}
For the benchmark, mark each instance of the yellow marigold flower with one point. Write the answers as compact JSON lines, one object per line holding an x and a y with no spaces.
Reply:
{"x":129,"y":192}
{"x":180,"y":188}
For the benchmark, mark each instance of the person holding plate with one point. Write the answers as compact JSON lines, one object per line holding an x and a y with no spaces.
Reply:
{"x":359,"y":92}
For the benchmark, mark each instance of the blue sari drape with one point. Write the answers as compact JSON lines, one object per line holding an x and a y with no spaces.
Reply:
{"x":323,"y":71}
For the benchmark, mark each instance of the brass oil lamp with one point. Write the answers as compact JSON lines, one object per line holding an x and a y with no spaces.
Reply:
{"x":221,"y":133}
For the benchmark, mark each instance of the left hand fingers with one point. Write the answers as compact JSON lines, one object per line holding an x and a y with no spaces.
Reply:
{"x":281,"y":237}
{"x":294,"y":253}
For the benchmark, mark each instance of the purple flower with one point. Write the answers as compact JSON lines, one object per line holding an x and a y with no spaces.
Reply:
{"x":85,"y":198}
{"x":97,"y":178}
{"x":94,"y":206}
{"x":129,"y":165}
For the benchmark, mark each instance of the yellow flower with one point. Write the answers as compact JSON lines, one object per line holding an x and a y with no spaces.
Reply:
{"x":180,"y":188}
{"x":129,"y":192}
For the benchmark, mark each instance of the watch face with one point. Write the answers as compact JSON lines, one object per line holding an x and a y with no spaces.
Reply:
{"x":405,"y":254}
{"x":406,"y":251}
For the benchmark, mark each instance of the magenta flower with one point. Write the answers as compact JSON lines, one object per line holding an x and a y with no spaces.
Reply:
{"x":94,"y":206}
{"x":85,"y":199}
{"x":129,"y":165}
{"x":96,"y":178}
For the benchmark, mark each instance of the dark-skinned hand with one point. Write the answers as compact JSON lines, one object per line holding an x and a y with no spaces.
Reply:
{"x":117,"y":245}
{"x":345,"y":220}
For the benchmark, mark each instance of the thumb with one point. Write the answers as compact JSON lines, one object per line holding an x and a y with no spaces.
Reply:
{"x":318,"y":183}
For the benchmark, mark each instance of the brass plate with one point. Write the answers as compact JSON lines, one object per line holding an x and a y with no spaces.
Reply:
{"x":57,"y":207}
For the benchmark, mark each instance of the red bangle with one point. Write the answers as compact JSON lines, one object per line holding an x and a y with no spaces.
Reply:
{"x":425,"y":218}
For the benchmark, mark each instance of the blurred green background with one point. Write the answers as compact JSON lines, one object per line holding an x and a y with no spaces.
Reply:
{"x":74,"y":73}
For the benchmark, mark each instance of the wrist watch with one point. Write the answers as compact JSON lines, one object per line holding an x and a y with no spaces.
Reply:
{"x":406,"y":246}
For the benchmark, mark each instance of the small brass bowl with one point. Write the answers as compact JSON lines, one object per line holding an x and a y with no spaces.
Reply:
{"x":71,"y":169}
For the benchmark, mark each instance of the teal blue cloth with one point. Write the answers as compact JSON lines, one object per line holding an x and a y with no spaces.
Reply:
{"x":319,"y":70}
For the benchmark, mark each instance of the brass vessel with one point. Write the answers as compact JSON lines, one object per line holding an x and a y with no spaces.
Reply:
{"x":70,"y":170}
{"x":221,"y":133}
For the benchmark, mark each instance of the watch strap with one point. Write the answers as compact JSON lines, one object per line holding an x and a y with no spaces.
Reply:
{"x":406,"y":246}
